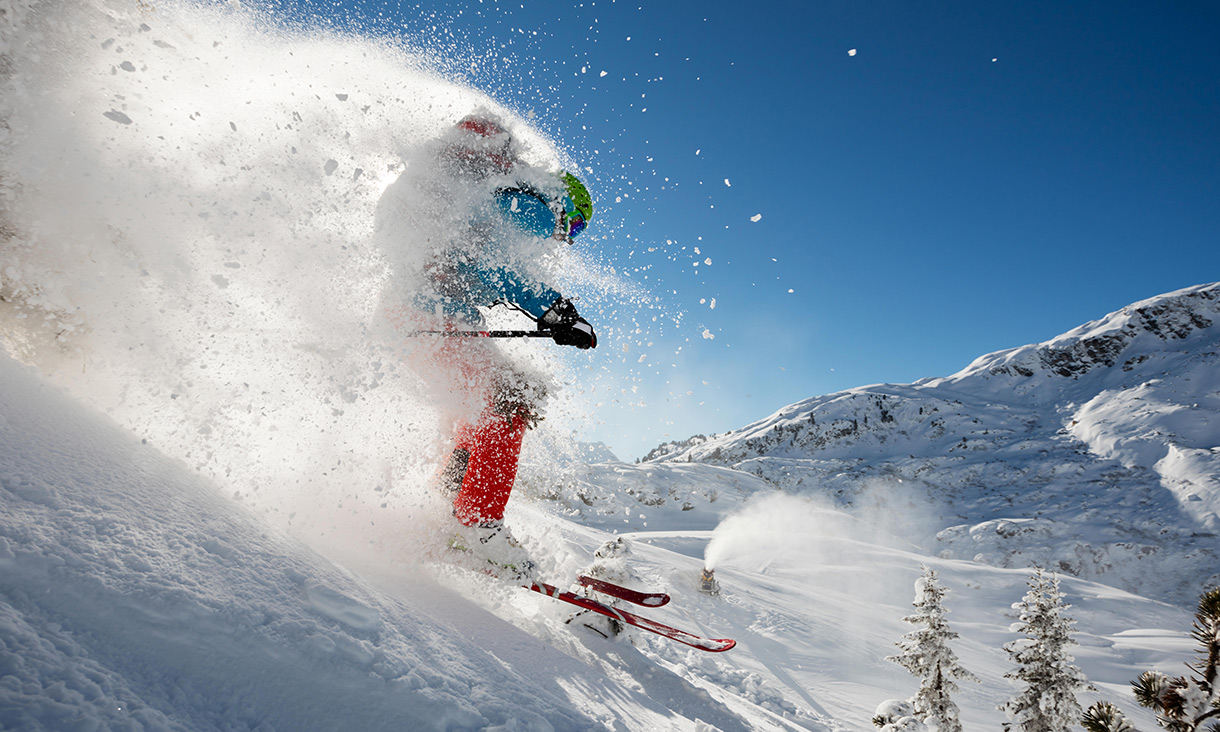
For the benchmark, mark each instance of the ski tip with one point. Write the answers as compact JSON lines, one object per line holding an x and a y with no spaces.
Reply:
{"x":636,"y":597}
{"x":719,"y":645}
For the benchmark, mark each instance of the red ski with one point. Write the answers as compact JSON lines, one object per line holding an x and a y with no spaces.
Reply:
{"x":713,"y":645}
{"x":647,"y":599}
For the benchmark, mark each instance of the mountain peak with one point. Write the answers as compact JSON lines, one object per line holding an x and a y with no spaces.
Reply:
{"x":1143,"y":326}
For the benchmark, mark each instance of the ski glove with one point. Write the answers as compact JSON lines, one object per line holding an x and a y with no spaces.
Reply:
{"x":566,"y":327}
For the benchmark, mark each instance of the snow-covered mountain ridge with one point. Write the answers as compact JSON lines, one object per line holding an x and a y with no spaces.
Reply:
{"x":1094,"y":453}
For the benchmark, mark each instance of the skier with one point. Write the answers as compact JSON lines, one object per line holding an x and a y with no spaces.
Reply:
{"x":488,"y":219}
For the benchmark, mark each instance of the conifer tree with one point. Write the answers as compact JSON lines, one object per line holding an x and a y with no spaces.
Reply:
{"x":1048,"y":701}
{"x":1182,"y":704}
{"x":926,"y":654}
{"x":1105,"y":717}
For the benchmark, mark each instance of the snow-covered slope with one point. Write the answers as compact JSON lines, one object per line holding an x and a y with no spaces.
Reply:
{"x":1096,"y":453}
{"x":135,"y":596}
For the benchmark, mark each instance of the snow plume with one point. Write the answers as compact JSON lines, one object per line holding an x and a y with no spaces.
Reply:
{"x":188,"y":196}
{"x":782,"y":528}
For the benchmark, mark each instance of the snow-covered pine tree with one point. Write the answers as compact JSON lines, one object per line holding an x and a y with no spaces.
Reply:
{"x":893,"y":715}
{"x":1181,"y":704}
{"x":1105,"y":717}
{"x":1048,"y":702}
{"x":926,"y":654}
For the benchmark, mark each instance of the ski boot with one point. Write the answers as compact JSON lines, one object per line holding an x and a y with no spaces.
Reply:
{"x":609,"y":563}
{"x":500,"y":553}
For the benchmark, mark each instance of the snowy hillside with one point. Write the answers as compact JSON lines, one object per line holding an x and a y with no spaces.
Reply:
{"x":215,"y":510}
{"x":134,"y":596}
{"x":1096,"y":453}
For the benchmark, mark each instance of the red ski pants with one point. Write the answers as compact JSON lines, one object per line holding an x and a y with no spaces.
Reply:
{"x":493,"y":447}
{"x":483,"y":465}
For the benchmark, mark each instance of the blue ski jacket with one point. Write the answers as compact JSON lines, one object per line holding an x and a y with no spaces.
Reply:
{"x":464,"y":282}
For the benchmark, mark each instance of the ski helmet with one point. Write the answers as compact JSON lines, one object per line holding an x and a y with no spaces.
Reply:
{"x":480,"y":126}
{"x":483,"y":146}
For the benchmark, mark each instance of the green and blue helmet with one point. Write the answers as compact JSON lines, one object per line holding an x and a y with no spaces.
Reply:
{"x":577,"y":204}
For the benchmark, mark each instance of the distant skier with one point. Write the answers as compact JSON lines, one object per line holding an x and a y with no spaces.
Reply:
{"x":489,"y":222}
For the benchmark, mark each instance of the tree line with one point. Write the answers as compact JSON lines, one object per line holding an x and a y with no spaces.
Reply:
{"x":1047,"y":676}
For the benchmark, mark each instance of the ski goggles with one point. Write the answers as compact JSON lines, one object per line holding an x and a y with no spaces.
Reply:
{"x":531,"y":211}
{"x":536,"y":213}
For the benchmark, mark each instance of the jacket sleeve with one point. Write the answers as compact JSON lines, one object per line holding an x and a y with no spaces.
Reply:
{"x":507,"y":285}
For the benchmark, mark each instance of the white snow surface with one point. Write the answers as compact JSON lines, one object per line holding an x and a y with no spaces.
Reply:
{"x":135,"y":595}
{"x":214,"y":511}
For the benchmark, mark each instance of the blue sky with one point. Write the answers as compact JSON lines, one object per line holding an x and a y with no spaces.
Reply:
{"x":976,"y":176}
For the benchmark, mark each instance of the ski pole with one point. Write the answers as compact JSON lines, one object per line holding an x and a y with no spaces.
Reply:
{"x":483,"y":333}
